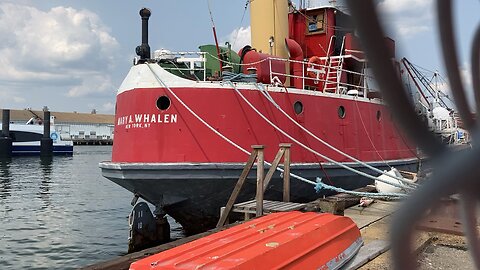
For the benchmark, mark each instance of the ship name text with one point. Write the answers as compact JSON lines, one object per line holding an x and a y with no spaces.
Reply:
{"x":145,"y":120}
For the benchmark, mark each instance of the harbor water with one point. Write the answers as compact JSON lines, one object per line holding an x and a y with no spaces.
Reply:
{"x":61,"y":213}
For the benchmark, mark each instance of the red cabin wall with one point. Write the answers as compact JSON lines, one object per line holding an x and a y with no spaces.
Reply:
{"x":312,"y":43}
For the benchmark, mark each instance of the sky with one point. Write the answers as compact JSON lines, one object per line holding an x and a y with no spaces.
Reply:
{"x":72,"y":55}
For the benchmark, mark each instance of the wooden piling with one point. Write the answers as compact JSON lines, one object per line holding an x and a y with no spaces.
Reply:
{"x":5,"y":140}
{"x":46,"y":144}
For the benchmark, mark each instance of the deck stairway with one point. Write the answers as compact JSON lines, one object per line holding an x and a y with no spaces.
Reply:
{"x":333,"y":76}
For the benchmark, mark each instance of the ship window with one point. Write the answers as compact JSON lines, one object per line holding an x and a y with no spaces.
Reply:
{"x":25,"y":136}
{"x":163,"y":103}
{"x":341,"y":112}
{"x":316,"y":23}
{"x":379,"y":115}
{"x":298,"y":107}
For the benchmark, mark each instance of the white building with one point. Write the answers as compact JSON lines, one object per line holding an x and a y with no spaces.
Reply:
{"x":82,"y":128}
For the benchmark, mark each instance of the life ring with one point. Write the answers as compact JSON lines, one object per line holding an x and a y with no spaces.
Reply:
{"x":313,"y":70}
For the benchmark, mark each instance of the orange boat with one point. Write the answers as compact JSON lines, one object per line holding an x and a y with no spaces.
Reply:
{"x":289,"y":240}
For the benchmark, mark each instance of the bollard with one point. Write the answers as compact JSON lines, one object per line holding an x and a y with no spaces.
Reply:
{"x":5,"y":140}
{"x":46,"y":144}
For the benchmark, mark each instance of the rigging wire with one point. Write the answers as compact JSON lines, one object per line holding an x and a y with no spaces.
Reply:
{"x":241,"y":22}
{"x":246,"y":151}
{"x":319,"y":154}
{"x":290,"y":102}
{"x":267,"y":96}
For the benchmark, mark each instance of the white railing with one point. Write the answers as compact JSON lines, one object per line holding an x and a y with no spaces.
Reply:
{"x":194,"y":61}
{"x":341,"y":88}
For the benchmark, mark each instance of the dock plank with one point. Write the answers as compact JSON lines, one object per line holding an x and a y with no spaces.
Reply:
{"x":368,"y":215}
{"x":268,"y":206}
{"x":367,"y":253}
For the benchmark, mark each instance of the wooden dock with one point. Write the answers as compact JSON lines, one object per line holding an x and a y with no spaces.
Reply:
{"x":363,"y":217}
{"x":371,"y":220}
{"x":249,"y":208}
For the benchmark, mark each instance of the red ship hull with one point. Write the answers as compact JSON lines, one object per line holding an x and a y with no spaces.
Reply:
{"x":174,"y":161}
{"x":175,"y":135}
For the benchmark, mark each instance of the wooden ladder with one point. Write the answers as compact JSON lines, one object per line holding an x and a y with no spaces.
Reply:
{"x":259,"y":206}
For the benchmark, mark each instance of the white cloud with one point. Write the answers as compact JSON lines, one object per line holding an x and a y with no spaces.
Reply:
{"x":61,"y":46}
{"x":8,"y":97}
{"x":94,"y":84}
{"x":239,"y":38}
{"x":404,"y":5}
{"x":407,"y":17}
{"x":108,"y":107}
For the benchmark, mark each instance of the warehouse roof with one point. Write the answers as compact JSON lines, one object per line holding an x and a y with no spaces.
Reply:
{"x":62,"y":117}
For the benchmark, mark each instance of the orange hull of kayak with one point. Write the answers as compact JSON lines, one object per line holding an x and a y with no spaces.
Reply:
{"x":289,"y":240}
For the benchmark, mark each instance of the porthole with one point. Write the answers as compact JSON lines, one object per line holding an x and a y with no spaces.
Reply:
{"x":163,"y":103}
{"x":341,"y":112}
{"x":379,"y":115}
{"x":298,"y":107}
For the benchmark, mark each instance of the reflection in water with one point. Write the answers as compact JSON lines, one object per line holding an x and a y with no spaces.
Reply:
{"x":5,"y":178}
{"x":60,"y":214}
{"x":46,"y":180}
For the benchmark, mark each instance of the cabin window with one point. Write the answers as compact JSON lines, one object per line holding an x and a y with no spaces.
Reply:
{"x":316,"y":22}
{"x":163,"y":103}
{"x":341,"y":112}
{"x":25,"y":136}
{"x":298,"y":107}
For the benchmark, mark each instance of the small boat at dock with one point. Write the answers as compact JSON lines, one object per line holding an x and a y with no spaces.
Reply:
{"x":289,"y":240}
{"x":26,"y":140}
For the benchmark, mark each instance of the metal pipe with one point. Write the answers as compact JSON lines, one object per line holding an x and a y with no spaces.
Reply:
{"x":144,"y":49}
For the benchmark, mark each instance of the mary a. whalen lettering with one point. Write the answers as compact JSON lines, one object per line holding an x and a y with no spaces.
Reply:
{"x":145,"y":120}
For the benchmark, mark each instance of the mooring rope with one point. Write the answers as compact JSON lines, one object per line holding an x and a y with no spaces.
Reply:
{"x":312,"y":150}
{"x":216,"y":131}
{"x":270,"y":98}
{"x":224,"y":137}
{"x":320,"y":185}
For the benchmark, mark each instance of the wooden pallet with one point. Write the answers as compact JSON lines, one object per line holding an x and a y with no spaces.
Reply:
{"x":250,"y":208}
